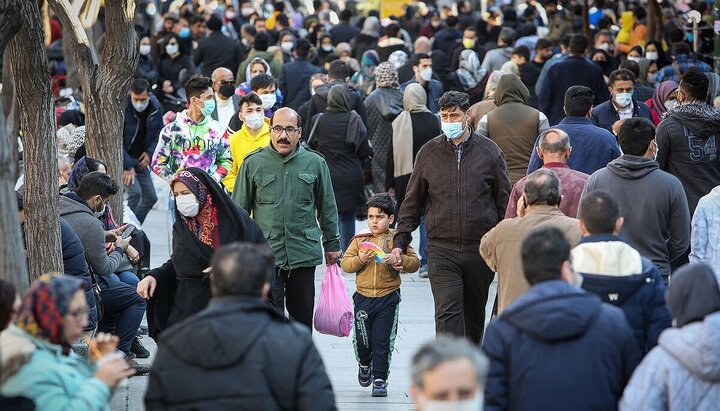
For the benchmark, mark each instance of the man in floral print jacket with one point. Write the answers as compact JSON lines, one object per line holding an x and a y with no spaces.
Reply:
{"x":194,"y":139}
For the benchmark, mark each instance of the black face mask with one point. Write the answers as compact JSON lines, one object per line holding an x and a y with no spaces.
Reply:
{"x":227,"y":90}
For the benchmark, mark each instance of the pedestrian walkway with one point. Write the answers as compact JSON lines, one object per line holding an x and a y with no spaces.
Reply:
{"x":415,"y":327}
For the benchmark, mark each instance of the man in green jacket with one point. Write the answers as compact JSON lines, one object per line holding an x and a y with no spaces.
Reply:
{"x":288,"y":191}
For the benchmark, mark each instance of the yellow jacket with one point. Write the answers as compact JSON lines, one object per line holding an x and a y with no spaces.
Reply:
{"x":376,"y":279}
{"x":243,"y":143}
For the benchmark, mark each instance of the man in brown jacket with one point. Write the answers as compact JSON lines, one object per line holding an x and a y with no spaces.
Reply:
{"x":500,"y":247}
{"x":460,"y":181}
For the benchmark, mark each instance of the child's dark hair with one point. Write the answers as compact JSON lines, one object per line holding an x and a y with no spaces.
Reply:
{"x":382,"y":201}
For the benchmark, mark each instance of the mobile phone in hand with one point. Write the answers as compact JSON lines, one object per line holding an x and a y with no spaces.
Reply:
{"x":129,"y":230}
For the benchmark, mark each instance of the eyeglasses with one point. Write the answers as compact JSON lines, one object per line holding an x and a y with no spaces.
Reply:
{"x":223,"y":82}
{"x":290,"y":130}
{"x":79,"y":314}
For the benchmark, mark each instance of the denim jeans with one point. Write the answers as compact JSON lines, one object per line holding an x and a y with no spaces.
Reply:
{"x":346,"y":223}
{"x":124,"y":310}
{"x":128,"y":277}
{"x":141,"y":194}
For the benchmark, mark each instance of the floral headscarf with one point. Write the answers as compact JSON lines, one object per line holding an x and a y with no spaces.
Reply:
{"x":469,"y":71}
{"x":45,"y":304}
{"x":205,"y":224}
{"x":386,"y":76}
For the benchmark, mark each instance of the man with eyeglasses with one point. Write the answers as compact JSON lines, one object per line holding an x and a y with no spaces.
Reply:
{"x":223,"y":84}
{"x":194,"y":139}
{"x":288,"y":190}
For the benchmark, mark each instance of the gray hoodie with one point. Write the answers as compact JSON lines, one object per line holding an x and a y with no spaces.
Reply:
{"x":92,"y":236}
{"x":653,"y":203}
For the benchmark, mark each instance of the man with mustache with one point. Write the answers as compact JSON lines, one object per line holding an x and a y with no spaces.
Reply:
{"x":288,"y":191}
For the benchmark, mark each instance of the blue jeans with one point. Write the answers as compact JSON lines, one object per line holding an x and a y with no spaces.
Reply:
{"x":128,"y":277}
{"x":141,"y":194}
{"x":124,"y":310}
{"x":346,"y":223}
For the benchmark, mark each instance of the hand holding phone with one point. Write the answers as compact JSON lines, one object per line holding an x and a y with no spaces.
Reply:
{"x":129,"y":230}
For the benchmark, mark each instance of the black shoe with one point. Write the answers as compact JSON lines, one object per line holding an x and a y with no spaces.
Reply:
{"x":138,"y":349}
{"x":140,"y":369}
{"x":364,"y":376}
{"x":379,"y":388}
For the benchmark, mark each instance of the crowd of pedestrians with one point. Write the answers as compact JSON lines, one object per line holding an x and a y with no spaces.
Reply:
{"x":577,"y":167}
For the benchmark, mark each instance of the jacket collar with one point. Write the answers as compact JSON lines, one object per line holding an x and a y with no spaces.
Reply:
{"x":545,"y":210}
{"x":555,"y":165}
{"x":597,"y":238}
{"x":575,"y":120}
{"x":71,"y":195}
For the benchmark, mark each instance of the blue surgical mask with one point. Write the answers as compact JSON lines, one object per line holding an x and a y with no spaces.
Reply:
{"x":184,"y":33}
{"x":623,"y":99}
{"x":209,"y":107}
{"x":452,"y":130}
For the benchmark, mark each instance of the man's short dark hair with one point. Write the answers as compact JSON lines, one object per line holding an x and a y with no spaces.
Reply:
{"x":578,"y":44}
{"x":542,"y":187}
{"x":454,"y":99}
{"x":140,"y":85}
{"x":195,"y":19}
{"x":338,"y":70}
{"x":543,"y":44}
{"x":261,"y":41}
{"x":392,"y":30}
{"x":635,"y":135}
{"x":451,"y":21}
{"x":620,"y":75}
{"x":681,"y":48}
{"x":578,"y":101}
{"x":415,"y":60}
{"x":214,"y":23}
{"x":599,"y":211}
{"x":522,"y":51}
{"x":197,"y":85}
{"x":249,"y":98}
{"x":283,"y":20}
{"x":249,"y":29}
{"x":565,"y":41}
{"x":20,"y":201}
{"x":695,"y":84}
{"x":262,"y":80}
{"x":543,"y":253}
{"x":330,"y":58}
{"x":345,"y":15}
{"x":508,"y":35}
{"x":383,"y":202}
{"x":631,"y":66}
{"x":97,"y":184}
{"x":241,"y":269}
{"x":302,"y":48}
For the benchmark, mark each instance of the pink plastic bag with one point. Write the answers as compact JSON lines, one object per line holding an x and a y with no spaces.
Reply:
{"x":334,"y":311}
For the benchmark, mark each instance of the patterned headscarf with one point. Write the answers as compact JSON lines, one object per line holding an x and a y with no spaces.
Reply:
{"x":398,"y":58}
{"x":386,"y":76}
{"x":45,"y":304}
{"x":205,"y":224}
{"x":76,"y":140}
{"x":80,"y":170}
{"x":469,"y":71}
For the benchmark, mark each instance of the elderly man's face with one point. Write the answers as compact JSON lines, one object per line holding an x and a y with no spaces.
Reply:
{"x":285,"y":131}
{"x":449,"y":382}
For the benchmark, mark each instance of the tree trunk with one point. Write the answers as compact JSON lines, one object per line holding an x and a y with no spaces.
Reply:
{"x":105,"y":84}
{"x":37,"y":117}
{"x":12,"y":114}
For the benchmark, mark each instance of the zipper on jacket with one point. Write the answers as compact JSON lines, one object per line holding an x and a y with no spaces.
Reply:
{"x":459,"y":159}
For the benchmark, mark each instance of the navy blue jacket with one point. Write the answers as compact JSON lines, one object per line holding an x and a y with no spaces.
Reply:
{"x":605,"y":115}
{"x":572,"y":71}
{"x":131,"y":127}
{"x":592,"y":147}
{"x":74,"y":264}
{"x":294,"y":82}
{"x":558,"y":348}
{"x":446,"y":40}
{"x":620,"y":276}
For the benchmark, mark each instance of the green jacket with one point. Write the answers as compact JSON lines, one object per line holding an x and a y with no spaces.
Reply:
{"x":287,"y":197}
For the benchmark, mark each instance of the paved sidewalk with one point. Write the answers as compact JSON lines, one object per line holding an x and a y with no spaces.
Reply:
{"x":415,"y":327}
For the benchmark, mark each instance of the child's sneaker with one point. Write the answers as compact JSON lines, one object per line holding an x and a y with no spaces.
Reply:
{"x":364,"y":376}
{"x":379,"y":388}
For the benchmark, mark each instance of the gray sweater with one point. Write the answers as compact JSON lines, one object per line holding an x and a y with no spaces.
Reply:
{"x":653,"y":204}
{"x":92,"y":236}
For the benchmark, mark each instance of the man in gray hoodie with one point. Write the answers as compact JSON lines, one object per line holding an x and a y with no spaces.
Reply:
{"x":123,"y":306}
{"x":653,"y":202}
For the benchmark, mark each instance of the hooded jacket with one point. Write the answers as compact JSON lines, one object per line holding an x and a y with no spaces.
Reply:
{"x":513,"y":125}
{"x":688,"y":140}
{"x":383,"y":106}
{"x":653,"y":203}
{"x":556,"y":330}
{"x":620,"y":276}
{"x":705,"y":236}
{"x":236,"y":355}
{"x":681,"y":373}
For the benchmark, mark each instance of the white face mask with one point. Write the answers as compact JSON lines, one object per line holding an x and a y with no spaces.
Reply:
{"x":287,"y":46}
{"x":474,"y":404}
{"x":268,"y":101}
{"x":145,"y":49}
{"x":604,"y":47}
{"x":651,"y":55}
{"x":623,"y":99}
{"x":100,"y":213}
{"x":671,"y":104}
{"x":426,"y":74}
{"x":187,"y":205}
{"x":254,"y":121}
{"x":651,"y":78}
{"x":633,"y":58}
{"x":229,"y":15}
{"x":246,"y":11}
{"x":140,"y":106}
{"x":171,"y":49}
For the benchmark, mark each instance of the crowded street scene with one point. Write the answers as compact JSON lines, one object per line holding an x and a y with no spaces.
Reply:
{"x":436,"y":205}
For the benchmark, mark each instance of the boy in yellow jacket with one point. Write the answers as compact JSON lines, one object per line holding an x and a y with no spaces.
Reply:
{"x":377,"y":298}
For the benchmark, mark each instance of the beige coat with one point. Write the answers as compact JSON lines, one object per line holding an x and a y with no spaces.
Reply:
{"x":500,"y":247}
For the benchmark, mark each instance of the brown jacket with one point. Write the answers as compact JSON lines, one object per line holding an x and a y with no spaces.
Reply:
{"x":501,"y":248}
{"x":461,"y":200}
{"x":376,"y":279}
